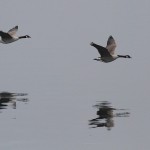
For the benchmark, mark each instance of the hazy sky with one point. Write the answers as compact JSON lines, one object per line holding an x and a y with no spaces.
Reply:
{"x":56,"y":66}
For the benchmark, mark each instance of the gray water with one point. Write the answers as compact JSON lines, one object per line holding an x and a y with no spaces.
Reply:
{"x":63,"y":88}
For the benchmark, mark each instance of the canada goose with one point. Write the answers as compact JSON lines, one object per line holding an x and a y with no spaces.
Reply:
{"x":107,"y":53}
{"x":10,"y":36}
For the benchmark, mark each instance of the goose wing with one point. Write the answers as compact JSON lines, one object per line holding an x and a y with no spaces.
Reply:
{"x":5,"y":36}
{"x":102,"y":50}
{"x":13,"y":31}
{"x":111,"y":45}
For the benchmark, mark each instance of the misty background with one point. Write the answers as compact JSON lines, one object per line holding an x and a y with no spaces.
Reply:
{"x":56,"y":68}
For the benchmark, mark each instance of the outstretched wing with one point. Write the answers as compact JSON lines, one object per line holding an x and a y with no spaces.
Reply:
{"x":111,"y":45}
{"x":102,"y":50}
{"x":5,"y":36}
{"x":13,"y":31}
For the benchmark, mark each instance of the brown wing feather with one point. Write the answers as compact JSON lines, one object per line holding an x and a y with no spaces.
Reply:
{"x":111,"y":45}
{"x":13,"y":31}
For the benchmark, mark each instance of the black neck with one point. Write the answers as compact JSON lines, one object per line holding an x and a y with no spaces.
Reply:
{"x":22,"y":37}
{"x":123,"y":56}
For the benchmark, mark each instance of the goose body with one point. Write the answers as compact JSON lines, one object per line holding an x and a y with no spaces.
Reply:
{"x":108,"y":53}
{"x":10,"y":36}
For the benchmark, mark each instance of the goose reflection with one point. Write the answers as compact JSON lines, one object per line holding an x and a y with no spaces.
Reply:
{"x":106,"y":114}
{"x":9,"y":99}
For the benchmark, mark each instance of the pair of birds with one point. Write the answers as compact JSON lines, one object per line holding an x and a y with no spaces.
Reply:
{"x":107,"y":53}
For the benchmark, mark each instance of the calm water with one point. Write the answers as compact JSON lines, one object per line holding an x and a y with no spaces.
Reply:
{"x":68,"y":106}
{"x":65,"y":105}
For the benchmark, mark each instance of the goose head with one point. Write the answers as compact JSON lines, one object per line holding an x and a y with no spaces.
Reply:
{"x":128,"y":56}
{"x":27,"y":36}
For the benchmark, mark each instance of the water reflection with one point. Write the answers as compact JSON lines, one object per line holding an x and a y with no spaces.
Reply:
{"x":106,"y":114}
{"x":9,"y":99}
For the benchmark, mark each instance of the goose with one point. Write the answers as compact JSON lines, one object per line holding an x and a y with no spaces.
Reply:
{"x":108,"y":53}
{"x":10,"y":36}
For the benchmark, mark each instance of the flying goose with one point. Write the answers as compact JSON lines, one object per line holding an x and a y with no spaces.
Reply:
{"x":10,"y":36}
{"x":107,"y":53}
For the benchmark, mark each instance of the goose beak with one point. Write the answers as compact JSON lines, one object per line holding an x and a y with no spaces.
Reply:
{"x":128,"y":56}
